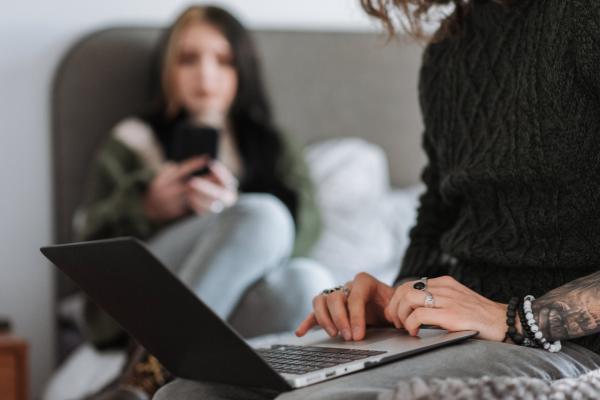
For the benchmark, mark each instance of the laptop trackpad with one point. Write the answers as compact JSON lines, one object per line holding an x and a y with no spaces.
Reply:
{"x":372,"y":337}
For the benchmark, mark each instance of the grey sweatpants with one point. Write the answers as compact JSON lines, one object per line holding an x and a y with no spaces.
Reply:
{"x":238,"y":263}
{"x":472,"y":358}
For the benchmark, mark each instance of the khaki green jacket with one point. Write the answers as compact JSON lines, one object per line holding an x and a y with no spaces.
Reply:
{"x":127,"y":163}
{"x":123,"y":169}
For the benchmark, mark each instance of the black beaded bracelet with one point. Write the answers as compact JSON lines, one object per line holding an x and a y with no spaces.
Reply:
{"x":526,"y":327}
{"x":511,"y":313}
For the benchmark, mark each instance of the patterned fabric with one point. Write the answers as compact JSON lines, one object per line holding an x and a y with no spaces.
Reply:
{"x":511,"y":112}
{"x":586,"y":387}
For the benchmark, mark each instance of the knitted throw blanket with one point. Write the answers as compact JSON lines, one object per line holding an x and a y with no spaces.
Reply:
{"x":583,"y":388}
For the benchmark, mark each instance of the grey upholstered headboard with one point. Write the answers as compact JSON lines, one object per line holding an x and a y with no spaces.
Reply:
{"x":323,"y":85}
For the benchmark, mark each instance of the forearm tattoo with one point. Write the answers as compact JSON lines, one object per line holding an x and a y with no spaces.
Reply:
{"x":570,"y":311}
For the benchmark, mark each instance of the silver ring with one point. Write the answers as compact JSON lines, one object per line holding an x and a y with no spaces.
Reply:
{"x":422,"y":285}
{"x":217,"y":206}
{"x":429,"y":303}
{"x":341,"y":288}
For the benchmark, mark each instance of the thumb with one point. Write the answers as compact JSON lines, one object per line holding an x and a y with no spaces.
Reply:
{"x":387,"y":315}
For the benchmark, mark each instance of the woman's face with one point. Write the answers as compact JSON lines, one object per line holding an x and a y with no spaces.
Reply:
{"x":205,"y":78}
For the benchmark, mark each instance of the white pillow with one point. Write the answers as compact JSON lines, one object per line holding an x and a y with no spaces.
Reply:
{"x":365,"y":223}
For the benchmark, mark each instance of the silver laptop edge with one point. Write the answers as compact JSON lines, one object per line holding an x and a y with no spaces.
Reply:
{"x":397,"y":344}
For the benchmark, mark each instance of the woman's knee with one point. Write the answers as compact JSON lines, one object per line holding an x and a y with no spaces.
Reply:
{"x":308,"y":275}
{"x":290,"y":290}
{"x":182,"y":389}
{"x":265,"y":216}
{"x":282,"y":299}
{"x":264,"y":207}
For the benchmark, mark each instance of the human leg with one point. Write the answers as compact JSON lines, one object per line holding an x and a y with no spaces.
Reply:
{"x":173,"y":244}
{"x":281,"y":299}
{"x":220,"y":255}
{"x":469,"y":359}
{"x":183,"y":389}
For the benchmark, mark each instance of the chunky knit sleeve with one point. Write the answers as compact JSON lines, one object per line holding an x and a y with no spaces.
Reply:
{"x":424,"y":256}
{"x":586,"y":26}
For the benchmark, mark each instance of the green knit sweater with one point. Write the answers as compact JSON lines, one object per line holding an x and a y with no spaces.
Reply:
{"x":512,"y":133}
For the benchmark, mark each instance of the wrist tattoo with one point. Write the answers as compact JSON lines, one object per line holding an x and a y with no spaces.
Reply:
{"x":570,"y":311}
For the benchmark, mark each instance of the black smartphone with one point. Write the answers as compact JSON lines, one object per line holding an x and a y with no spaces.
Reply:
{"x":190,"y":141}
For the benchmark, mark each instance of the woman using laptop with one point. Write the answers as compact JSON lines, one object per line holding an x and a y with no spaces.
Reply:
{"x":221,"y":224}
{"x":507,"y":232}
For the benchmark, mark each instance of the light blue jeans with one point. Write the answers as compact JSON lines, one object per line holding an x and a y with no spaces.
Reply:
{"x":238,"y":263}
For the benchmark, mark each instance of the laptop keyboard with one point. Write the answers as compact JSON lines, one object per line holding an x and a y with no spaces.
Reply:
{"x":299,"y":360}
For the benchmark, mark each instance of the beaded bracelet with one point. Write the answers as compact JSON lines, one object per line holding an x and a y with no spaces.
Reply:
{"x":512,"y":332}
{"x":539,"y":336}
{"x":528,"y":340}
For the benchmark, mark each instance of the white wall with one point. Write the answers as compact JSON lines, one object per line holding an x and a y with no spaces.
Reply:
{"x":34,"y":34}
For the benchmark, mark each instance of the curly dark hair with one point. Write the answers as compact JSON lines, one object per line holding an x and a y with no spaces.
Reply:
{"x":416,"y":12}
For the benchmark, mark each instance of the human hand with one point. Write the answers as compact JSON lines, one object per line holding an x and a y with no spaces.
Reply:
{"x":166,"y":197}
{"x":213,"y":192}
{"x":366,"y":305}
{"x":456,"y":308}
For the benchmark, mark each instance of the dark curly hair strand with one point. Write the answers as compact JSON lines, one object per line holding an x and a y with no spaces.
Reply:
{"x":416,"y":12}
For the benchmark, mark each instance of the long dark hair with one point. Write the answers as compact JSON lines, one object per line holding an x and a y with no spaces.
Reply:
{"x":259,"y":142}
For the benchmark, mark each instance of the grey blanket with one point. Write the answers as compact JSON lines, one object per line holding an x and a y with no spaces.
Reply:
{"x":582,"y":388}
{"x":458,"y":372}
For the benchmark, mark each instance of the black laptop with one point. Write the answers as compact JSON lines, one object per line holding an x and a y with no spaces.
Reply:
{"x":192,"y":342}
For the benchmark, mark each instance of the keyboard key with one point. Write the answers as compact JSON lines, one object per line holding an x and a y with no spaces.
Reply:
{"x":299,"y":360}
{"x":319,"y":365}
{"x":298,"y":363}
{"x":325,"y":349}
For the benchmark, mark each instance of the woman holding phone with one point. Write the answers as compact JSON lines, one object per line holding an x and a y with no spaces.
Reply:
{"x":239,"y":223}
{"x":507,"y":236}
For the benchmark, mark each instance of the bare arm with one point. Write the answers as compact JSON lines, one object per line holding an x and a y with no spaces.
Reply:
{"x":570,"y":311}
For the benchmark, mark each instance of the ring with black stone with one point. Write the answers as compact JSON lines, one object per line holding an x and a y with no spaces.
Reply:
{"x":422,"y":285}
